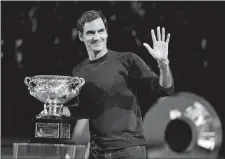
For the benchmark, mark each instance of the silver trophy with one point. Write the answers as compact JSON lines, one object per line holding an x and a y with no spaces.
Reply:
{"x":51,"y":126}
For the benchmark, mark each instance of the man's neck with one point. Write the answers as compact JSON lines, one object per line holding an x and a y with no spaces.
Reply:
{"x":96,"y":55}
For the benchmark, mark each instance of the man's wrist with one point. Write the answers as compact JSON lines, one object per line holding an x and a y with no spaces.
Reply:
{"x":163,"y":63}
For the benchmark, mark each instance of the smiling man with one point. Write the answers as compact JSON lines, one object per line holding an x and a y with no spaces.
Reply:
{"x":94,"y":35}
{"x":110,"y":98}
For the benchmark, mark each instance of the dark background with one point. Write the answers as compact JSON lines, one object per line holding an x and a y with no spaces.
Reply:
{"x":41,"y":38}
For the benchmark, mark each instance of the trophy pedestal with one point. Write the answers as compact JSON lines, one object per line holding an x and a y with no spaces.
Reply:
{"x":42,"y":150}
{"x":53,"y":130}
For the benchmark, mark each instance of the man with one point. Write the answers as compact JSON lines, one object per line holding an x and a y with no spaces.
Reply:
{"x":109,"y":98}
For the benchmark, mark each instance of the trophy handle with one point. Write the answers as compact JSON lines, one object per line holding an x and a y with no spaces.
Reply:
{"x":77,"y":84}
{"x":27,"y":81}
{"x":81,"y":82}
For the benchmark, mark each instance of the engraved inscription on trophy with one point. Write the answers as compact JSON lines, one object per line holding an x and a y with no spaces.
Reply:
{"x":53,"y":91}
{"x":50,"y":130}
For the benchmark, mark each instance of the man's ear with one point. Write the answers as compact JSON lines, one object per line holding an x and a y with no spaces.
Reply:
{"x":80,"y":36}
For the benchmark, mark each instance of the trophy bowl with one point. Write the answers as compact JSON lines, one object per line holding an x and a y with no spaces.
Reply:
{"x":53,"y":91}
{"x":60,"y":88}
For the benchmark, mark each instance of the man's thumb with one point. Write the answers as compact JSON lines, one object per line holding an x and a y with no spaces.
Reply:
{"x":148,"y":47}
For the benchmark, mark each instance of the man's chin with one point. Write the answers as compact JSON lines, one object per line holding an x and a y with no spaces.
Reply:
{"x":97,"y":50}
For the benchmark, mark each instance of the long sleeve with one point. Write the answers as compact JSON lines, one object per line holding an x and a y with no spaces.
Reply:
{"x":77,"y":111}
{"x":145,"y":77}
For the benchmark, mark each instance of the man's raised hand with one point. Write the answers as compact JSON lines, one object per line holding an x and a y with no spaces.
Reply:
{"x":160,"y":45}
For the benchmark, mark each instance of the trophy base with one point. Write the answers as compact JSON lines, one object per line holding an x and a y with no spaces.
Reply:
{"x":52,"y":141}
{"x":56,"y":151}
{"x":53,"y":130}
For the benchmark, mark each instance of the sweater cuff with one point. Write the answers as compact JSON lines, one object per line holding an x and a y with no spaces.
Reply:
{"x":166,"y":91}
{"x":76,"y":112}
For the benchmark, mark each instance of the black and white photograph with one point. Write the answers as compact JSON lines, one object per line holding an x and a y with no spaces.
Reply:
{"x":112,"y":79}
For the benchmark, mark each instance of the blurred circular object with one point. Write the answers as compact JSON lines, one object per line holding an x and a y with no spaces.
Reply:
{"x":173,"y":138}
{"x":182,"y":126}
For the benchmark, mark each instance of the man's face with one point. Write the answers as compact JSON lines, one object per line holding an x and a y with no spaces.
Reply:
{"x":94,"y":35}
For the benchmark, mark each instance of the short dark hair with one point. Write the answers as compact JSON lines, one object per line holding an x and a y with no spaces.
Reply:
{"x":88,"y":16}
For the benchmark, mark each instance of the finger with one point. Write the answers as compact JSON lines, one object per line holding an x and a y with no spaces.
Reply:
{"x":158,"y":34}
{"x":148,"y":47}
{"x":168,"y":38}
{"x":153,"y":36}
{"x":163,"y":34}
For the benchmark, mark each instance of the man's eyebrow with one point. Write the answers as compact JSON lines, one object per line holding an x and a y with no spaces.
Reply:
{"x":101,"y":29}
{"x":90,"y":31}
{"x":93,"y":31}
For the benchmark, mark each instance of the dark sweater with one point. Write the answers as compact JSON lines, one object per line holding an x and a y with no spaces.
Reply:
{"x":109,"y":98}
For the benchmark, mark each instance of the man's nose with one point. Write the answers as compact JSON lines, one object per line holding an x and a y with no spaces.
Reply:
{"x":96,"y":36}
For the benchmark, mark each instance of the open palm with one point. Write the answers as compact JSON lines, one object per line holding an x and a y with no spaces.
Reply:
{"x":160,"y":45}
